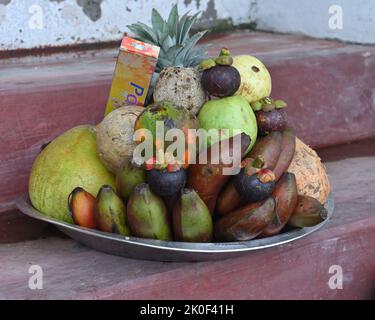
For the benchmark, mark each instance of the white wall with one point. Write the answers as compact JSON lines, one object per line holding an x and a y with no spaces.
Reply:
{"x":312,"y":18}
{"x":35,"y":23}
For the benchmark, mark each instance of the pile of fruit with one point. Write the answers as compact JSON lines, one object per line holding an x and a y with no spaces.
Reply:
{"x":89,"y":176}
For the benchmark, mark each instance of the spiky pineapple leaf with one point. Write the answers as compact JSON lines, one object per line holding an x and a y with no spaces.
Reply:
{"x":173,"y":19}
{"x":189,"y":44}
{"x":187,"y":26}
{"x":177,"y":47}
{"x":156,"y":20}
{"x":149,"y":31}
{"x":140,"y":33}
{"x":167,"y":43}
{"x":164,"y":63}
{"x":173,"y":51}
{"x":180,"y":27}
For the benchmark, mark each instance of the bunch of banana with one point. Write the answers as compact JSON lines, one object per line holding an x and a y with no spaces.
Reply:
{"x":259,"y":201}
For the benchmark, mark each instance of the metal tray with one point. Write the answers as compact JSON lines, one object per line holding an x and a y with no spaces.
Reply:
{"x":148,"y":249}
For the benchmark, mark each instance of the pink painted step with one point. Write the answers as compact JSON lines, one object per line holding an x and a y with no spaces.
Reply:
{"x":328,"y":85}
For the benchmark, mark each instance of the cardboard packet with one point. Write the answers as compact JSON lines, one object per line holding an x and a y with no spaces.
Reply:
{"x":133,"y":73}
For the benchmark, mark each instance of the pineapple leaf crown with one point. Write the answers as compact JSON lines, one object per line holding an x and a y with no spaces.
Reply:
{"x":177,"y":47}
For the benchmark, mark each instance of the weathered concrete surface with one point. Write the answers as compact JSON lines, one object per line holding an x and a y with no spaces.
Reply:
{"x":299,"y":270}
{"x":65,"y":22}
{"x":346,"y":20}
{"x":44,"y":23}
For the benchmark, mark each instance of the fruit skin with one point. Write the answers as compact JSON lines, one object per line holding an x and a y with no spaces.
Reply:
{"x":288,"y":147}
{"x":307,"y":213}
{"x":275,"y":120}
{"x":58,"y":169}
{"x":179,"y":50}
{"x":110,"y":212}
{"x":310,"y":172}
{"x":221,"y":81}
{"x":245,"y":223}
{"x":114,"y":136}
{"x":192,"y":221}
{"x":208,"y":179}
{"x":147,"y":214}
{"x":127,"y":177}
{"x":82,"y":208}
{"x":229,"y":113}
{"x":268,"y":150}
{"x":252,"y":187}
{"x":173,"y":118}
{"x":255,"y":78}
{"x":229,"y":199}
{"x":285,"y":195}
{"x":164,"y":183}
{"x":182,"y":87}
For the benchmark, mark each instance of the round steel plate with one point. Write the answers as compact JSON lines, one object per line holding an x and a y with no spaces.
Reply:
{"x":148,"y":249}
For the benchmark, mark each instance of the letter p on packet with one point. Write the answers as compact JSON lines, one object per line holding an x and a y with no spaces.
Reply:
{"x":135,"y":67}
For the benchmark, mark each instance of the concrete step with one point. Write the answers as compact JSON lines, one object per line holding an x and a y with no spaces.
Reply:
{"x":299,"y":270}
{"x":328,"y":85}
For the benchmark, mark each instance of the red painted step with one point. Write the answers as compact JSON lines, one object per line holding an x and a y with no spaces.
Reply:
{"x":328,"y":85}
{"x":299,"y":270}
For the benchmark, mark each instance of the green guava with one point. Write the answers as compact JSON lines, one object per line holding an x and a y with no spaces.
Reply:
{"x":229,"y":113}
{"x":69,"y":161}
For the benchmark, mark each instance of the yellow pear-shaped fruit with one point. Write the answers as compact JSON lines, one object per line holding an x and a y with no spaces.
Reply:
{"x":255,"y":78}
{"x":69,"y":161}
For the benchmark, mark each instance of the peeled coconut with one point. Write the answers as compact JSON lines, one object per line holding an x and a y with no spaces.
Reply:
{"x":115,"y":136}
{"x":69,"y":161}
{"x":182,"y":87}
{"x":255,"y":78}
{"x":310,"y":172}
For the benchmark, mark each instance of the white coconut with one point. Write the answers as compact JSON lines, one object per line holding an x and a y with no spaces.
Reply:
{"x":114,"y":136}
{"x":182,"y":87}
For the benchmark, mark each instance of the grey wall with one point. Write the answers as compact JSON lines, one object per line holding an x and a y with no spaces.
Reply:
{"x":34,"y":23}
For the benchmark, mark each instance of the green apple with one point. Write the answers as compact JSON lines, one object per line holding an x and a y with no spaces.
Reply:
{"x":229,"y":113}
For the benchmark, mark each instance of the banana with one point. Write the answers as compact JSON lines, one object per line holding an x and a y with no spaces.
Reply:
{"x":147,"y":214}
{"x":82,"y":207}
{"x":245,"y":223}
{"x":266,"y":153}
{"x":285,"y":195}
{"x":308,"y":212}
{"x":228,"y":200}
{"x":110,"y":212}
{"x":288,"y":147}
{"x":208,"y":179}
{"x":192,"y":220}
{"x":267,"y":149}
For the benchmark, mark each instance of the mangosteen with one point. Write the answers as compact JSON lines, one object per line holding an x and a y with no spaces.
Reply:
{"x":220,"y":78}
{"x":254,"y":187}
{"x":166,"y":183}
{"x":270,"y":115}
